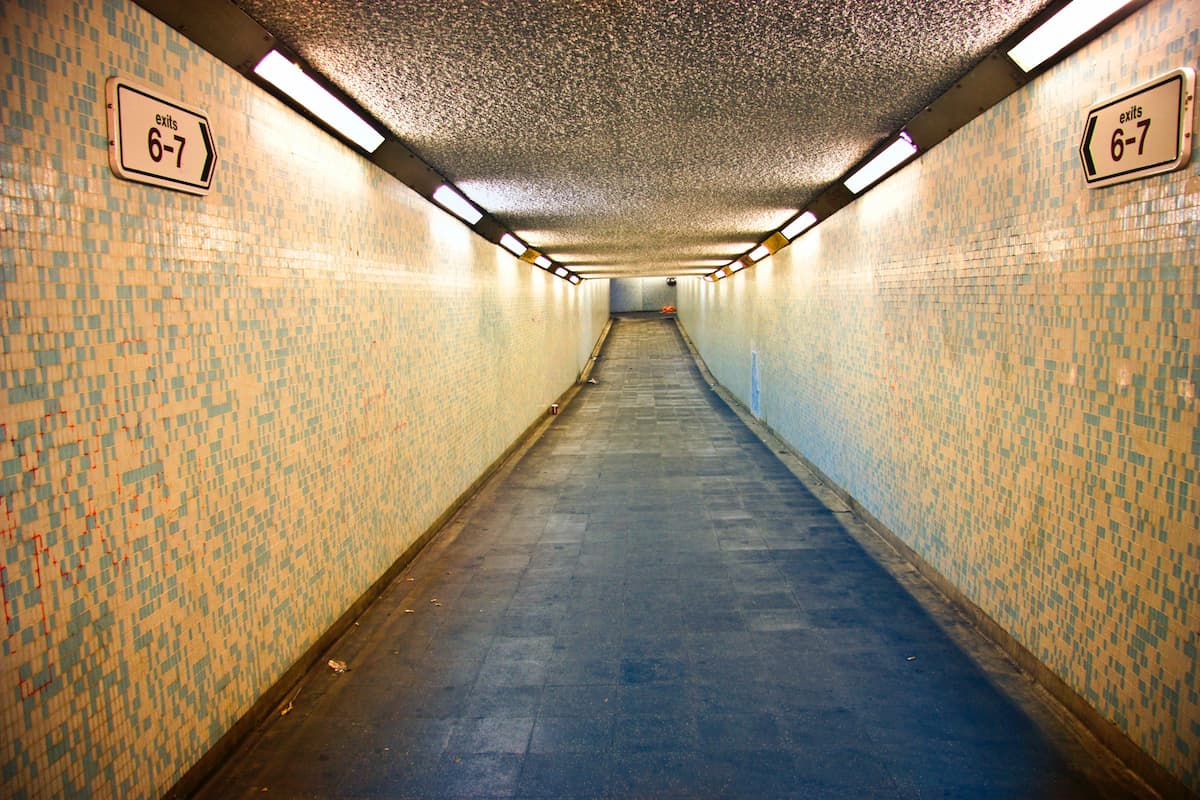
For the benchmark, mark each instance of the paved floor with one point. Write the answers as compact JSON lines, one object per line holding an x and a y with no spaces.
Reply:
{"x":649,"y":604}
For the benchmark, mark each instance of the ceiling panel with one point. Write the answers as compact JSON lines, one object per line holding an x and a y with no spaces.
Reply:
{"x":642,"y":137}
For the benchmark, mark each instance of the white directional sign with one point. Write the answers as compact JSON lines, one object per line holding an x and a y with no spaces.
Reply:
{"x":1142,"y":132}
{"x":158,"y":141}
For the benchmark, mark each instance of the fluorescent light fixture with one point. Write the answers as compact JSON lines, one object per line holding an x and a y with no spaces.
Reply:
{"x":893,"y":156}
{"x":542,"y":262}
{"x":560,"y":272}
{"x":459,"y":205}
{"x":288,"y":78}
{"x":736,"y":266}
{"x":759,"y":253}
{"x":512,"y":244}
{"x":799,"y":225}
{"x":575,"y":279}
{"x":1066,"y":26}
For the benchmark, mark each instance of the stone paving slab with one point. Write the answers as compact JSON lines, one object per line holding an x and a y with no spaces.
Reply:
{"x":649,"y":603}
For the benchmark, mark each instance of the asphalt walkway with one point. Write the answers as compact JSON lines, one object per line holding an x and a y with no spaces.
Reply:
{"x":649,"y":604}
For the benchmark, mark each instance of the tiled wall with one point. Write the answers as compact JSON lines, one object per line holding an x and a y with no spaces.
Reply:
{"x":223,"y":417}
{"x":641,"y":294}
{"x":1002,"y":366}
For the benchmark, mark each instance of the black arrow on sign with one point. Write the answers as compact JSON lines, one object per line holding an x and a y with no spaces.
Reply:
{"x":210,"y":152}
{"x":1085,"y":149}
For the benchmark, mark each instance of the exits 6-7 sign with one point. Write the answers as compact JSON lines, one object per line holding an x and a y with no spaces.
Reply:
{"x":1145,"y":131}
{"x":157,"y":140}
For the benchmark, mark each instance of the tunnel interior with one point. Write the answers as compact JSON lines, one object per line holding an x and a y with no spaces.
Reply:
{"x":235,"y":413}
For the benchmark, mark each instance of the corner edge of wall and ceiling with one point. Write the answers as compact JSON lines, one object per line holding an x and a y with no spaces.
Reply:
{"x":226,"y":32}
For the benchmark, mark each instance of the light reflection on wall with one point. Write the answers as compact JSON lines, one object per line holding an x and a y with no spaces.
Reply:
{"x":509,"y":271}
{"x":450,"y":238}
{"x":804,"y":256}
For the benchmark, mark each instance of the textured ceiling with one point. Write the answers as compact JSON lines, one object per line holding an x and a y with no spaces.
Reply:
{"x":642,"y":138}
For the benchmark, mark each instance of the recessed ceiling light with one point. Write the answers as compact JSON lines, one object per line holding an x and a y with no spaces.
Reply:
{"x":799,"y":225}
{"x":575,"y":279}
{"x":542,"y":262}
{"x":288,"y":78}
{"x":459,"y":205}
{"x":560,"y":272}
{"x":759,"y":253}
{"x":512,"y":244}
{"x":1066,"y":26}
{"x":893,"y":156}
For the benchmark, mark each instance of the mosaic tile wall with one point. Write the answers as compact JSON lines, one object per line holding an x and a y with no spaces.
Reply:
{"x":1002,"y":366}
{"x":223,"y":417}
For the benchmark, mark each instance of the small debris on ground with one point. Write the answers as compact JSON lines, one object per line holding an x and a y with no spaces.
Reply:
{"x":337,"y":666}
{"x":410,"y":611}
{"x":593,"y":381}
{"x":285,"y":711}
{"x":911,"y":658}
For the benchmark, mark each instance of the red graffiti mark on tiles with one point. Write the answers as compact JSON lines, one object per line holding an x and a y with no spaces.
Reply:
{"x":40,"y":551}
{"x":8,"y":617}
{"x":29,"y":689}
{"x":57,"y":479}
{"x":8,"y":526}
{"x":375,"y":421}
{"x":50,"y":564}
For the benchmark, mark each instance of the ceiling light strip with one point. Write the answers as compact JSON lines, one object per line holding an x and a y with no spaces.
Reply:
{"x":455,"y":203}
{"x":513,"y":245}
{"x":289,"y":78}
{"x":799,"y":225}
{"x":1056,"y":33}
{"x":888,"y":159}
